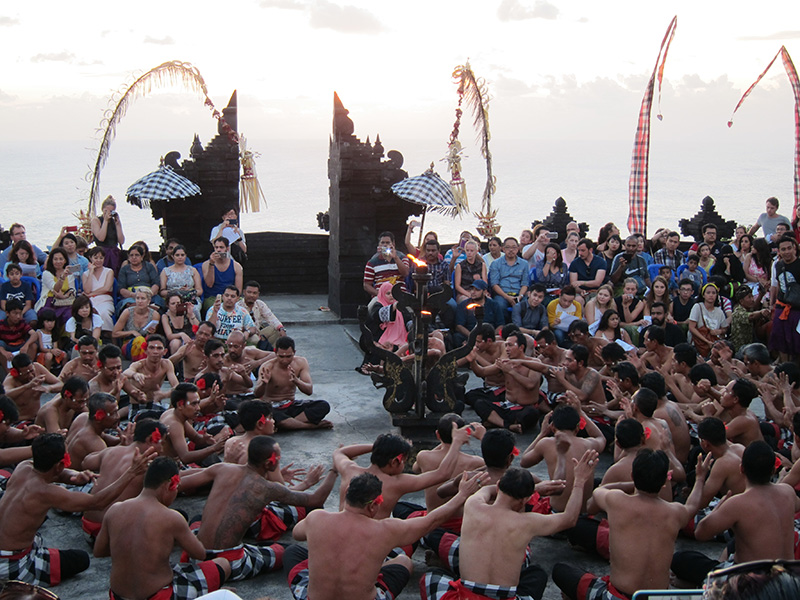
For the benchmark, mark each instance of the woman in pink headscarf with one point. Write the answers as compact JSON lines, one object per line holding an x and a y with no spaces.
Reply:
{"x":392,"y":323}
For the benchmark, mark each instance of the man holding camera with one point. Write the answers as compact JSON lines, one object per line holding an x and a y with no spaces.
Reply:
{"x":385,"y":265}
{"x":630,"y":264}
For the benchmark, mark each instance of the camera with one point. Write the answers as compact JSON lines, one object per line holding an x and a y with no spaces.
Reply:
{"x":180,"y":310}
{"x":552,"y":235}
{"x":628,"y":257}
{"x":233,"y":221}
{"x":114,"y":214}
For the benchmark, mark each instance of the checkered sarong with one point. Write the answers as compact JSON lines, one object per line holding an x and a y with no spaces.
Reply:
{"x":37,"y":565}
{"x":438,"y":585}
{"x":788,"y":65}
{"x":194,"y":579}
{"x":637,"y":184}
{"x":275,"y":520}
{"x":248,"y":560}
{"x":598,"y":588}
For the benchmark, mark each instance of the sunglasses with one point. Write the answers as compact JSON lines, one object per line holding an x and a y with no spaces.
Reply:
{"x":13,"y":589}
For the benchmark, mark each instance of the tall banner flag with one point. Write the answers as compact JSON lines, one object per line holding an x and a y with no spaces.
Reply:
{"x":640,"y":163}
{"x":792,"y":73}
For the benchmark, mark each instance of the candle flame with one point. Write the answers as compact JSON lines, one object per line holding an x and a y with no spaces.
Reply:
{"x":472,"y":306}
{"x":426,"y":312}
{"x":416,"y":261}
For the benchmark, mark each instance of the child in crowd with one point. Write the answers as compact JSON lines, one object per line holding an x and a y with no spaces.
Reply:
{"x":15,"y":334}
{"x":16,"y":288}
{"x":694,"y":273}
{"x":50,"y":356}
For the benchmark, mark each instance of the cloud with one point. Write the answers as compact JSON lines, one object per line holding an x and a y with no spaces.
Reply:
{"x":778,"y":35}
{"x":285,"y":4}
{"x":8,"y":22}
{"x":165,"y":41}
{"x":6,"y":97}
{"x":516,"y":10}
{"x":345,"y":19}
{"x":62,"y":56}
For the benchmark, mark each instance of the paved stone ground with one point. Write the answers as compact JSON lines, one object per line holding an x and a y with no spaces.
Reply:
{"x":358,"y":417}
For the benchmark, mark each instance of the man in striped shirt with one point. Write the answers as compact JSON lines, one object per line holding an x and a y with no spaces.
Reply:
{"x":385,"y":265}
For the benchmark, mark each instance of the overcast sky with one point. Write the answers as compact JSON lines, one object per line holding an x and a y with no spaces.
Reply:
{"x":555,"y":70}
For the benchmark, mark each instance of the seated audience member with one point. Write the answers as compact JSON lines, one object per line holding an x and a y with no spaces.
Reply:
{"x":167,"y":259}
{"x":508,"y":278}
{"x":98,"y":285}
{"x":219,"y":272}
{"x":587,"y":272}
{"x":139,"y":535}
{"x":531,"y":316}
{"x":468,"y":271}
{"x":682,"y":303}
{"x":23,"y":256}
{"x":135,"y":324}
{"x":603,"y":301}
{"x":465,"y":316}
{"x":694,"y":272}
{"x":630,"y":265}
{"x":707,"y":321}
{"x":613,"y":246}
{"x":669,"y":255}
{"x":84,"y":320}
{"x":228,"y":316}
{"x":495,"y":251}
{"x":561,"y":312}
{"x":552,"y":272}
{"x":15,"y":334}
{"x":768,"y":221}
{"x":610,"y":328}
{"x":658,"y":292}
{"x":178,"y":322}
{"x":49,"y":354}
{"x":136,"y":273}
{"x":69,"y":241}
{"x":17,"y":233}
{"x":629,"y":306}
{"x":268,"y":325}
{"x":17,"y":289}
{"x":570,"y":247}
{"x":58,"y":286}
{"x":659,"y":318}
{"x":385,"y":265}
{"x":183,"y":278}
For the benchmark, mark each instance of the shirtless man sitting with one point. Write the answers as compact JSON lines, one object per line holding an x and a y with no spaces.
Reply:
{"x":22,"y":553}
{"x":256,"y":419}
{"x":519,"y":410}
{"x":676,"y":374}
{"x":233,"y":377}
{"x":496,"y":534}
{"x":247,"y":358}
{"x":11,"y":452}
{"x":761,"y":517}
{"x":25,"y":383}
{"x":90,"y":435}
{"x":185,"y":403}
{"x":558,"y":443}
{"x":110,"y":378}
{"x":139,"y":535}
{"x":237,"y":497}
{"x":656,"y":431}
{"x":487,"y":351}
{"x":387,"y":462}
{"x":726,"y":471}
{"x":643,"y":531}
{"x":429,"y":460}
{"x":579,"y":334}
{"x":671,"y":415}
{"x":743,"y":426}
{"x":336,"y":539}
{"x":591,"y":533}
{"x":192,"y":355}
{"x":57,"y":415}
{"x":278,"y":379}
{"x":657,"y":353}
{"x":147,"y":375}
{"x":111,"y":462}
{"x":85,"y":364}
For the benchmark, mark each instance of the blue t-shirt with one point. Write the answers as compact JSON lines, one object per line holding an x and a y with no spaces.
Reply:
{"x":23,"y":293}
{"x":587,"y":273}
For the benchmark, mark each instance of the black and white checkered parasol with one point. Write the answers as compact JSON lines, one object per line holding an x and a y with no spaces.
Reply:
{"x":164,"y":184}
{"x":428,"y":190}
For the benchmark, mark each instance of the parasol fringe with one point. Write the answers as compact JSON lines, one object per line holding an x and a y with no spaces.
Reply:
{"x":172,"y":72}
{"x":476,"y":96}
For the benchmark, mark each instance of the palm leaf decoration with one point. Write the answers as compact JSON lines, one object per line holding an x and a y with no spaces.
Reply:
{"x":168,"y":73}
{"x":476,"y":97}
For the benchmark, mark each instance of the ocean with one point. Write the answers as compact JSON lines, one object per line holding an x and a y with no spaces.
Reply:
{"x":43,"y":183}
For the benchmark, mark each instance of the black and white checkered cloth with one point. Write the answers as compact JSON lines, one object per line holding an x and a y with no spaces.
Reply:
{"x":428,"y":190}
{"x":435,"y":585}
{"x":164,"y":184}
{"x":39,"y":565}
{"x":251,"y":560}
